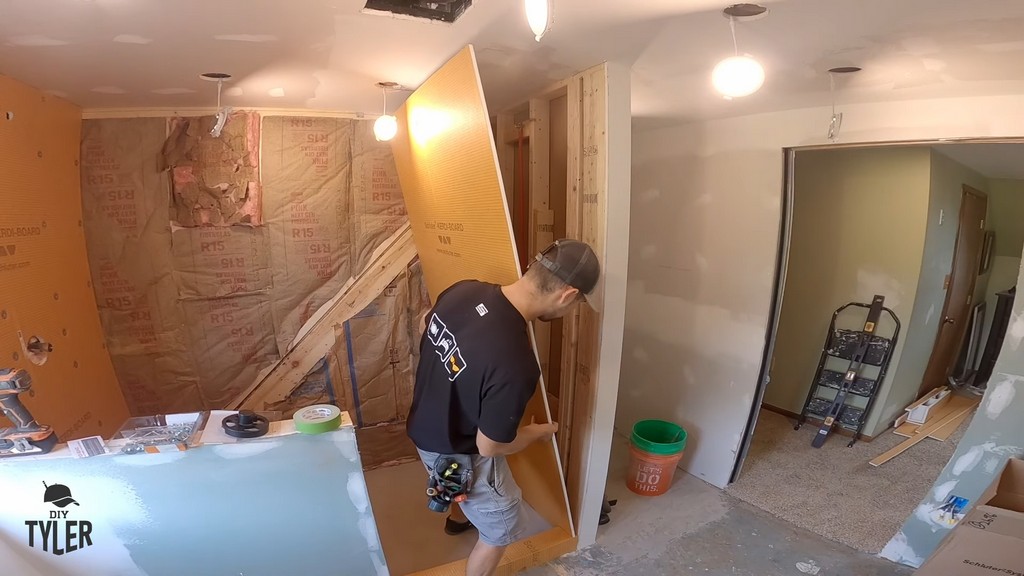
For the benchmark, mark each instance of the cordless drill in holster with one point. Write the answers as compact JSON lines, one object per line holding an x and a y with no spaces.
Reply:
{"x":27,"y":436}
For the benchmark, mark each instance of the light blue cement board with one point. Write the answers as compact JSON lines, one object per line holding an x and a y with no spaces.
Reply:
{"x":996,"y":433}
{"x":295,"y":505}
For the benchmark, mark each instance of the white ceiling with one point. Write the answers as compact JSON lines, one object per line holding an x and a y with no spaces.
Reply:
{"x":327,"y":55}
{"x":990,"y":160}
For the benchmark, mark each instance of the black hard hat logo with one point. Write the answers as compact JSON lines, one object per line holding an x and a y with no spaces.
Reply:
{"x":59,"y":495}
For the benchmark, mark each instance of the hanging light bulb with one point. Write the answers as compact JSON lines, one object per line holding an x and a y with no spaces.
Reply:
{"x":538,"y":15}
{"x":386,"y":126}
{"x":738,"y":75}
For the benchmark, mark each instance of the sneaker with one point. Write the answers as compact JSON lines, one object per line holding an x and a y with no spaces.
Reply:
{"x":453,"y":528}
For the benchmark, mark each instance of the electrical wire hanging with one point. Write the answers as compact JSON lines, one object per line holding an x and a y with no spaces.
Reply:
{"x":222,"y":113}
{"x":837,"y":119}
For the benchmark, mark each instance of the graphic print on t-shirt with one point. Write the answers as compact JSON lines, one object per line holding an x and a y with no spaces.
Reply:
{"x":446,"y":347}
{"x":455,"y":365}
{"x":435,"y":329}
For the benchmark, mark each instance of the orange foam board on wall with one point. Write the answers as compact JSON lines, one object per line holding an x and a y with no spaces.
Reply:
{"x":45,"y":285}
{"x":449,"y":172}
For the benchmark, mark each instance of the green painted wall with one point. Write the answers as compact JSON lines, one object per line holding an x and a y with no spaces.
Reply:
{"x":867,"y":221}
{"x":1006,"y":219}
{"x":859,"y":224}
{"x":946,"y":185}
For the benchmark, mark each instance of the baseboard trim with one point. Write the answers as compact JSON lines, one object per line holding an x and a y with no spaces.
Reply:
{"x":815,"y":421}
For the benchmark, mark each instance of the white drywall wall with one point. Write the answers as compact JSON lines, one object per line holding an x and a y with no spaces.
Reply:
{"x":704,"y":229}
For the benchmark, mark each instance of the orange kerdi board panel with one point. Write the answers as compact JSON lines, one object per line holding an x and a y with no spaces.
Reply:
{"x":449,"y":172}
{"x":45,"y":286}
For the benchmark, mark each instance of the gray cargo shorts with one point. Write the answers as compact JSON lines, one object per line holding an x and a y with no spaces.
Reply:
{"x":494,"y":503}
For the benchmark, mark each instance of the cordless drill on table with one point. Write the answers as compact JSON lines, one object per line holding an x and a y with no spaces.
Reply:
{"x":27,"y":436}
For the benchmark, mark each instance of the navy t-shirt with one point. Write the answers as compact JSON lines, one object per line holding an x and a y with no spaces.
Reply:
{"x":477,"y":370}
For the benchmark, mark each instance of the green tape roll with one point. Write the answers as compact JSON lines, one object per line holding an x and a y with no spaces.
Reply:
{"x":317,"y":419}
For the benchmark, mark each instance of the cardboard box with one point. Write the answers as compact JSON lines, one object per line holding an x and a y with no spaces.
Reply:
{"x":1000,"y":510}
{"x":988,"y":540}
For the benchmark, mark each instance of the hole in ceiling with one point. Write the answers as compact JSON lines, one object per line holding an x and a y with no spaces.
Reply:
{"x":440,"y":10}
{"x":744,"y":11}
{"x":215,"y":76}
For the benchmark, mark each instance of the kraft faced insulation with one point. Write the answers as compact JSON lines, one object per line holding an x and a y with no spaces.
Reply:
{"x":209,"y":254}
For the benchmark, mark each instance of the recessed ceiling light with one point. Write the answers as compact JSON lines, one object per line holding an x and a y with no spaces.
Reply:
{"x":215,"y":76}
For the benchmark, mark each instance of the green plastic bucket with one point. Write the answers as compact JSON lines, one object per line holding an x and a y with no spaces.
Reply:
{"x":659,"y":437}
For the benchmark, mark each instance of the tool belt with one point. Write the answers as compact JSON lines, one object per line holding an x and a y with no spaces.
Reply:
{"x":452,"y":474}
{"x":451,"y":479}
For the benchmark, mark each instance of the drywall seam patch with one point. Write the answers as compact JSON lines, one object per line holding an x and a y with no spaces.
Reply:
{"x":945,"y":489}
{"x":132,"y":39}
{"x":1001,"y":395}
{"x":968,"y":461}
{"x":898,"y":550}
{"x":1016,"y":331}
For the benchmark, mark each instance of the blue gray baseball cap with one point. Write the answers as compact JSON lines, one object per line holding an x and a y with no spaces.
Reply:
{"x":576,"y":264}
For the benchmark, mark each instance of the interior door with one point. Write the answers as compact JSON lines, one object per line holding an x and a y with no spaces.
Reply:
{"x":956,"y":312}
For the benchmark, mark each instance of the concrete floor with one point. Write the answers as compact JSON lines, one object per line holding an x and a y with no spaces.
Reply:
{"x":696,"y":528}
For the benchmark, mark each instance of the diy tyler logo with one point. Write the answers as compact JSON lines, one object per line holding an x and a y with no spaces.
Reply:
{"x":59,"y":535}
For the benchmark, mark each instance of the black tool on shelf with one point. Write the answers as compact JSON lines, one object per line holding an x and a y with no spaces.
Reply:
{"x":245,"y":424}
{"x":860,"y":348}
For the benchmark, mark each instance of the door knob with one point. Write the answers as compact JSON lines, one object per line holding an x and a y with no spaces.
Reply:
{"x":948,"y":320}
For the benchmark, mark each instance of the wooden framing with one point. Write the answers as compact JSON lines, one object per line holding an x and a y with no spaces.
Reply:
{"x":585,"y":219}
{"x":541,"y":224}
{"x":314,"y":340}
{"x":570,"y":325}
{"x":591,"y":204}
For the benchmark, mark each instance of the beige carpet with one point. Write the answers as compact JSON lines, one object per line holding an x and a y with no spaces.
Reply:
{"x":832,"y":490}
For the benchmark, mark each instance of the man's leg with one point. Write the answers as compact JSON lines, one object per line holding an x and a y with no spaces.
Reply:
{"x":494,"y":506}
{"x":484,"y":559}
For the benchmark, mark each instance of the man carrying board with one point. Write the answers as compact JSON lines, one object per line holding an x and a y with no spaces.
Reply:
{"x":477,"y":371}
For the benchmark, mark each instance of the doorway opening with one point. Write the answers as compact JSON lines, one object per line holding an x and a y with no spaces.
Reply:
{"x":932,"y":230}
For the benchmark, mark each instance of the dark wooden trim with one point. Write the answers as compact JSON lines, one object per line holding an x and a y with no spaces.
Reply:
{"x":815,"y":421}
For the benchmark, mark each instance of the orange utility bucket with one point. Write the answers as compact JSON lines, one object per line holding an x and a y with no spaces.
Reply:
{"x":655,"y":449}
